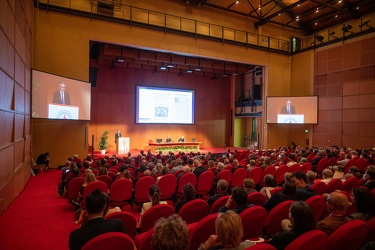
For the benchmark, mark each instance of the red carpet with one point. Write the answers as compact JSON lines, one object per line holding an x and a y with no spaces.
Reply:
{"x":38,"y":219}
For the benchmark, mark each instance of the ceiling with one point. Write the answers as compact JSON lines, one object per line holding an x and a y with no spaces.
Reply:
{"x":116,"y":56}
{"x":309,"y":16}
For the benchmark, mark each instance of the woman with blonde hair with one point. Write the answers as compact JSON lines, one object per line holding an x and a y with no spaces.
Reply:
{"x":229,"y":233}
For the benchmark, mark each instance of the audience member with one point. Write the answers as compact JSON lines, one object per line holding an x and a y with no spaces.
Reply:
{"x":327,"y":175}
{"x":270,"y":183}
{"x":288,"y":193}
{"x":229,"y":232}
{"x":369,"y":177}
{"x":311,"y":176}
{"x":171,"y":233}
{"x":96,"y":224}
{"x":364,"y":202}
{"x":178,"y":166}
{"x":291,"y":158}
{"x":154,"y":195}
{"x":238,"y":198}
{"x":248,"y":185}
{"x":189,"y":194}
{"x":303,"y":191}
{"x":199,"y":168}
{"x":337,"y":204}
{"x":355,"y":172}
{"x":301,"y":218}
{"x":43,"y":159}
{"x":288,"y":177}
{"x":221,"y":190}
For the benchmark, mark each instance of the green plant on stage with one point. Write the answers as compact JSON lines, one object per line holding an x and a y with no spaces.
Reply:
{"x":103,"y":140}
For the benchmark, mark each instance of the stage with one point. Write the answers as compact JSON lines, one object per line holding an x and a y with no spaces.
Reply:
{"x":214,"y":150}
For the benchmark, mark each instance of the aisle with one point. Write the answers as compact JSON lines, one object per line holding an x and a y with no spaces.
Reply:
{"x":37,"y":219}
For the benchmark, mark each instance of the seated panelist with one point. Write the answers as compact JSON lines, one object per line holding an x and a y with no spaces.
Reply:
{"x":168,"y":139}
{"x":182,"y":139}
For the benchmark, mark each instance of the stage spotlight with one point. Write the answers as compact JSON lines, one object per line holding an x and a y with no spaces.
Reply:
{"x":365,"y":24}
{"x":332,"y":34}
{"x":347,"y":28}
{"x":199,"y":68}
{"x":320,"y":38}
{"x":190,"y":71}
{"x":163,"y":67}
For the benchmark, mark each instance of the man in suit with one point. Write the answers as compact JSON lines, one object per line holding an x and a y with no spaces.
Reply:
{"x":96,"y":225}
{"x":61,"y":96}
{"x":168,"y":139}
{"x":288,"y":108}
{"x":182,"y":139}
{"x":117,"y":135}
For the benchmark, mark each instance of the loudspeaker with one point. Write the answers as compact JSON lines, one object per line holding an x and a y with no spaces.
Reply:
{"x":93,"y":74}
{"x":257,"y":92}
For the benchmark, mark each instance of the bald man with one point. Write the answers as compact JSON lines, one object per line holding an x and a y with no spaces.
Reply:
{"x":337,"y":204}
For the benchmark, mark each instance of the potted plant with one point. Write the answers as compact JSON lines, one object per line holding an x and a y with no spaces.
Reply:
{"x":103,"y":142}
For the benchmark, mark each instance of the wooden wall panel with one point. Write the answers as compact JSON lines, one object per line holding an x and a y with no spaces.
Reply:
{"x":6,"y":90}
{"x":350,"y":128}
{"x":352,"y":88}
{"x":353,"y":75}
{"x":353,"y":48}
{"x":334,"y":65}
{"x":350,"y":115}
{"x":6,"y":125}
{"x":351,"y":62}
{"x":334,"y":90}
{"x":349,"y":118}
{"x":351,"y":102}
{"x":322,"y":67}
{"x":367,"y":129}
{"x":367,"y":86}
{"x":333,"y":78}
{"x":16,"y":27}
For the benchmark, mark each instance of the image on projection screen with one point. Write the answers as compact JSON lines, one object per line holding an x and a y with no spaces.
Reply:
{"x":57,"y":97}
{"x":292,"y":109}
{"x":164,"y":105}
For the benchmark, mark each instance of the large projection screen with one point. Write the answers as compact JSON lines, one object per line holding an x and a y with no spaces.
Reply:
{"x":47,"y":98}
{"x":164,"y":105}
{"x":292,"y":110}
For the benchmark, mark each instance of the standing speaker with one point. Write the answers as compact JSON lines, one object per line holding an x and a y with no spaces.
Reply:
{"x":93,"y":73}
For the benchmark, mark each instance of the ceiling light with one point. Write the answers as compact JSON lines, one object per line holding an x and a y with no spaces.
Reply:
{"x":189,"y":71}
{"x":163,"y":67}
{"x":237,"y":2}
{"x":199,"y":68}
{"x":340,"y":1}
{"x":170,"y":65}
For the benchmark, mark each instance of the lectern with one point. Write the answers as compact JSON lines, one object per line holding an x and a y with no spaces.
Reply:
{"x":123,"y":145}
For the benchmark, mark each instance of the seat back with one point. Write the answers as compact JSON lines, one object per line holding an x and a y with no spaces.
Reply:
{"x":73,"y":187}
{"x":319,"y":187}
{"x":322,"y":164}
{"x":153,"y":214}
{"x":306,"y":167}
{"x":193,"y":211}
{"x":349,"y":184}
{"x":274,"y":218}
{"x":185,"y":179}
{"x":205,"y":181}
{"x":128,"y":219}
{"x":94,"y":185}
{"x":294,"y":168}
{"x":226,"y":175}
{"x":311,"y":240}
{"x":238,"y":176}
{"x":112,"y":240}
{"x":268,"y":170}
{"x":256,"y":198}
{"x":371,"y":231}
{"x":333,"y":185}
{"x":201,"y":231}
{"x":218,"y":204}
{"x":143,"y":241}
{"x":279,"y":174}
{"x":276,"y":190}
{"x":255,"y":174}
{"x":167,"y":185}
{"x":121,"y":192}
{"x":261,"y":246}
{"x":106,"y":179}
{"x":253,"y":220}
{"x":350,"y":234}
{"x":317,"y":204}
{"x":141,"y":189}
